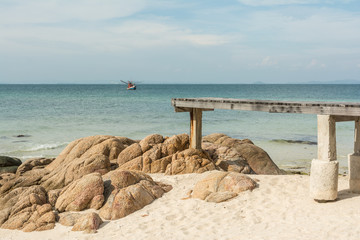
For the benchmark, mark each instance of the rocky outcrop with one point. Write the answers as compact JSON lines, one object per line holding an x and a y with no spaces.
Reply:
{"x":86,"y":192}
{"x":190,"y":161}
{"x":30,"y":178}
{"x":9,"y":164}
{"x":81,"y":177}
{"x":26,"y":208}
{"x":29,"y":173}
{"x":222,"y":186}
{"x":33,"y":163}
{"x":257,"y":159}
{"x":128,"y":192}
{"x":152,"y":154}
{"x":81,"y":157}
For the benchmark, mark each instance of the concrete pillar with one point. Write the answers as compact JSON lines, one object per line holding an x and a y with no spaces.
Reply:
{"x":354,"y":162}
{"x":324,"y":170}
{"x":195,"y":128}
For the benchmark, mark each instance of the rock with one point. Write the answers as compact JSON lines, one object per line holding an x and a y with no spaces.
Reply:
{"x":43,"y":218}
{"x":28,"y":179}
{"x":258,"y":160}
{"x":53,"y":195}
{"x":152,"y":154}
{"x":129,"y":153}
{"x":25,"y":208}
{"x":150,"y":141}
{"x":6,"y":177}
{"x":9,"y":164}
{"x":88,"y":223}
{"x":69,"y":218}
{"x":175,"y":144}
{"x":217,"y":197}
{"x":226,"y":158}
{"x":33,"y":163}
{"x":81,"y":157}
{"x":131,"y":191}
{"x":83,"y":193}
{"x":190,"y":161}
{"x":221,"y":186}
{"x":22,"y":136}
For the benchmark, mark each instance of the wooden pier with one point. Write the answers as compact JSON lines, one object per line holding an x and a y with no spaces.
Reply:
{"x":324,"y":169}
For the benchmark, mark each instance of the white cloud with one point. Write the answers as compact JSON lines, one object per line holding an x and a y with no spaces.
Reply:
{"x":126,"y":36}
{"x":314,"y":63}
{"x":289,"y":2}
{"x":267,"y":61}
{"x":50,"y":11}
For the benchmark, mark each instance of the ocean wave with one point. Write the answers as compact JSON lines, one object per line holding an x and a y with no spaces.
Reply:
{"x":42,"y":147}
{"x":37,"y":148}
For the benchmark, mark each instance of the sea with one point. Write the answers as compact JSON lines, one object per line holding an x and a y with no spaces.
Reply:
{"x":39,"y":120}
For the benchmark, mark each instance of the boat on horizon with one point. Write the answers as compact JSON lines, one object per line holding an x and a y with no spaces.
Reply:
{"x":130,"y":85}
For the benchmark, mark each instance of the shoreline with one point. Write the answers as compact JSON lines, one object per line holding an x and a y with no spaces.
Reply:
{"x":279,"y":208}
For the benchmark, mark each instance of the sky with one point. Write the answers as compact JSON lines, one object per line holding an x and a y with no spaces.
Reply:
{"x":178,"y":41}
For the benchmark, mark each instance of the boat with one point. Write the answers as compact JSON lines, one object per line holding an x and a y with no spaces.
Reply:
{"x":130,"y":85}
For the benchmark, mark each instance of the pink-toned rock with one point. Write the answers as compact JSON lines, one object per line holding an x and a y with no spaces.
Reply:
{"x":129,"y":153}
{"x":53,"y":196}
{"x":68,"y":218}
{"x":258,"y":160}
{"x":28,"y":179}
{"x":190,"y":161}
{"x":152,"y":154}
{"x":6,"y":177}
{"x":228,"y":159}
{"x":33,"y":163}
{"x":81,"y":194}
{"x":81,"y":157}
{"x":150,"y":141}
{"x":221,"y":186}
{"x":25,"y":208}
{"x":131,"y":191}
{"x":88,"y":223}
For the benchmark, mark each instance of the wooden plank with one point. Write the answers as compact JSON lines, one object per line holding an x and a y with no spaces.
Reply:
{"x":195,"y":128}
{"x":186,"y":109}
{"x":339,"y":118}
{"x":320,"y":108}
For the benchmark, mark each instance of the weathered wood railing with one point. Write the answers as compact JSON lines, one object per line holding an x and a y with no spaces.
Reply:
{"x":324,"y":169}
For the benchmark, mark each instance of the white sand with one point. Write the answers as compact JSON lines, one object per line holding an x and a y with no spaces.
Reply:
{"x":279,"y":208}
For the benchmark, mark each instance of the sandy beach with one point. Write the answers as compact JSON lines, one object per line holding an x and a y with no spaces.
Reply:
{"x":279,"y":208}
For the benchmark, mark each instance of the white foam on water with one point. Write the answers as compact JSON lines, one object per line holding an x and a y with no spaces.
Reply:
{"x":45,"y":147}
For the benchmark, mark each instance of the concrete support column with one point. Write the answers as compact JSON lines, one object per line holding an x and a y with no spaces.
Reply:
{"x":195,"y":128}
{"x":354,"y":161}
{"x":324,"y":170}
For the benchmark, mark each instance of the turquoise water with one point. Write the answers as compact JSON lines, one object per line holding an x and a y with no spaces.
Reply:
{"x":51,"y":116}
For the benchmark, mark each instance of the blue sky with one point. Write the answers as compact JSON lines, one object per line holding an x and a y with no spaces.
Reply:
{"x":243,"y":41}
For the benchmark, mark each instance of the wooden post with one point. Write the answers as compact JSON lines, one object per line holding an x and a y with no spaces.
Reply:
{"x":357,"y":138}
{"x":195,"y":128}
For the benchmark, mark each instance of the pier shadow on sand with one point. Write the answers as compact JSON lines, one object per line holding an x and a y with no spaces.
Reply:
{"x":346,"y":194}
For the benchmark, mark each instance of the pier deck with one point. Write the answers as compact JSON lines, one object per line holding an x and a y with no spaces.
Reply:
{"x":324,"y":169}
